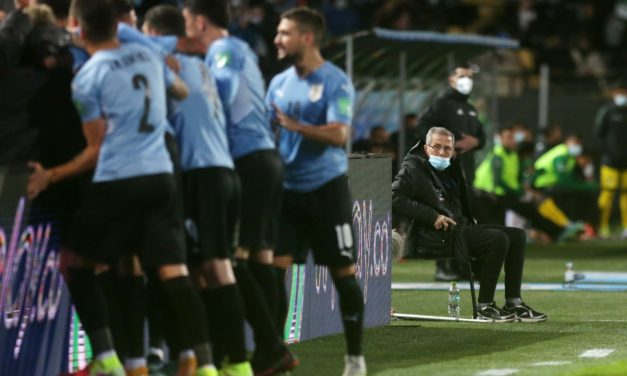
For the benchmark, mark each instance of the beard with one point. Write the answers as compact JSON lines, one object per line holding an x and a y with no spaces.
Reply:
{"x":291,"y":58}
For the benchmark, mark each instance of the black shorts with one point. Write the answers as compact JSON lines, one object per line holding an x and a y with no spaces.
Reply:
{"x":211,"y":212}
{"x":320,"y":220}
{"x":261,"y":174}
{"x":130,"y":216}
{"x":60,"y":202}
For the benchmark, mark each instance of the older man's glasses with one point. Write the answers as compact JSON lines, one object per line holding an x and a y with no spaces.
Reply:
{"x":446,"y":150}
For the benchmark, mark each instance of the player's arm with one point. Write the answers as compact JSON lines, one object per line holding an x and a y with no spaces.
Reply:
{"x":176,"y":88}
{"x":334,"y":134}
{"x":41,"y":178}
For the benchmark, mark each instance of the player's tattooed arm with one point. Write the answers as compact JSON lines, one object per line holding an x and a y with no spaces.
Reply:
{"x":335,"y":134}
{"x":41,"y":177}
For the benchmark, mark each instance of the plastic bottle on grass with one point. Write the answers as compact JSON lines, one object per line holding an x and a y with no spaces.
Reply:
{"x":569,"y":275}
{"x":453,"y":300}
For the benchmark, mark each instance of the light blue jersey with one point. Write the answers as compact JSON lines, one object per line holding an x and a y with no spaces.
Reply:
{"x":324,"y":96}
{"x":199,"y":123}
{"x":241,"y":88}
{"x":129,"y":34}
{"x":125,"y":86}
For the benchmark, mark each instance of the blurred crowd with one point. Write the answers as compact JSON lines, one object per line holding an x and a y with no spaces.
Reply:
{"x":578,"y":37}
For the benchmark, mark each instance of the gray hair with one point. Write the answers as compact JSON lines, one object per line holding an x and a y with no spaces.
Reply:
{"x":441,"y":131}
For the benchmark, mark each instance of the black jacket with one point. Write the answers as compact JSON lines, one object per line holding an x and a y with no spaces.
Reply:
{"x":12,"y":37}
{"x":453,"y":112}
{"x":611,"y":128}
{"x":418,"y":195}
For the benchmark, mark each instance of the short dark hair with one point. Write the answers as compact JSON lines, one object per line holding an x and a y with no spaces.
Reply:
{"x":60,"y":8}
{"x":218,"y":12}
{"x":308,"y":20}
{"x":166,"y":19}
{"x":122,"y":7}
{"x":97,"y":19}
{"x":462,"y":65}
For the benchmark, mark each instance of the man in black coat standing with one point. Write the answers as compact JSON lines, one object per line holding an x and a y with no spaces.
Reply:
{"x":453,"y":112}
{"x":431,"y":191}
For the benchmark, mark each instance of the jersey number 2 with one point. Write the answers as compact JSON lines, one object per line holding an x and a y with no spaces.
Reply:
{"x":140,"y":82}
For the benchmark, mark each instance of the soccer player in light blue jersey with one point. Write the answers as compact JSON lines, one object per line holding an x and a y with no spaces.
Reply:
{"x":130,"y":207}
{"x":241,"y":88}
{"x":211,"y":193}
{"x":312,"y":102}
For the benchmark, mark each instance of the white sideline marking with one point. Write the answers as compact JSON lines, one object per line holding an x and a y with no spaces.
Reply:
{"x":498,"y":372}
{"x":596,"y":353}
{"x":551,"y":363}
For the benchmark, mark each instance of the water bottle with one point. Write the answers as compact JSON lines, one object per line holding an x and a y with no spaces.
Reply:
{"x":569,"y":275}
{"x":453,"y":300}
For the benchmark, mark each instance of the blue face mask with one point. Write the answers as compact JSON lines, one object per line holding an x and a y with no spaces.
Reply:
{"x":439,"y":163}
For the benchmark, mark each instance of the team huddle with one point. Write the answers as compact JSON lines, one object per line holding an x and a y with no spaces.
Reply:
{"x":205,"y":189}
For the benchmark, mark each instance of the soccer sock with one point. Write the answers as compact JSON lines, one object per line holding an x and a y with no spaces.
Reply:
{"x":91,"y":306}
{"x":551,"y":211}
{"x":266,"y":280}
{"x":622,"y":199}
{"x":256,"y":309}
{"x":226,"y":310}
{"x":190,"y":317}
{"x":352,"y":308}
{"x":109,"y":283}
{"x":514,"y":301}
{"x":133,"y":299}
{"x":606,"y":200}
{"x":281,"y":307}
{"x":160,"y":312}
{"x":155,"y":313}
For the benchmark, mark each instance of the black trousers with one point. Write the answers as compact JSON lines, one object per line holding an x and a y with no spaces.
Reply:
{"x":494,"y":247}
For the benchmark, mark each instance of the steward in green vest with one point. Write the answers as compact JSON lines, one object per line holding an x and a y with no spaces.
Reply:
{"x":499,"y":177}
{"x":499,"y":173}
{"x":557,"y":168}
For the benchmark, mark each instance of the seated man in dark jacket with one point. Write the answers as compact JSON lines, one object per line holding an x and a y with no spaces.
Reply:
{"x":431,"y":191}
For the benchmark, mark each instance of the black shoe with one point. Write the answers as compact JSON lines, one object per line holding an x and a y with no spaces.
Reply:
{"x":493,"y":313}
{"x":524,"y":313}
{"x":267,"y":366}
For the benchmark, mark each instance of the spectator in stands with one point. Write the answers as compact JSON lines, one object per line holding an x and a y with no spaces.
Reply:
{"x":378,"y":142}
{"x":341,"y":18}
{"x":256,"y":24}
{"x":395,"y":14}
{"x":588,"y":60}
{"x":611,"y":129}
{"x":410,"y":123}
{"x":431,"y":190}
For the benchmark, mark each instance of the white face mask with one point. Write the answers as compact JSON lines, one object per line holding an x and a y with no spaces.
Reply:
{"x":575,"y":149}
{"x":519,"y":136}
{"x":464,"y":85}
{"x":620,"y":100}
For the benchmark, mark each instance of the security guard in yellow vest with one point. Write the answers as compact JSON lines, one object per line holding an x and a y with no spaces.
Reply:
{"x":499,"y":175}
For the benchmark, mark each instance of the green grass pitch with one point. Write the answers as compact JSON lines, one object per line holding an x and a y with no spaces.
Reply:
{"x":579,"y":321}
